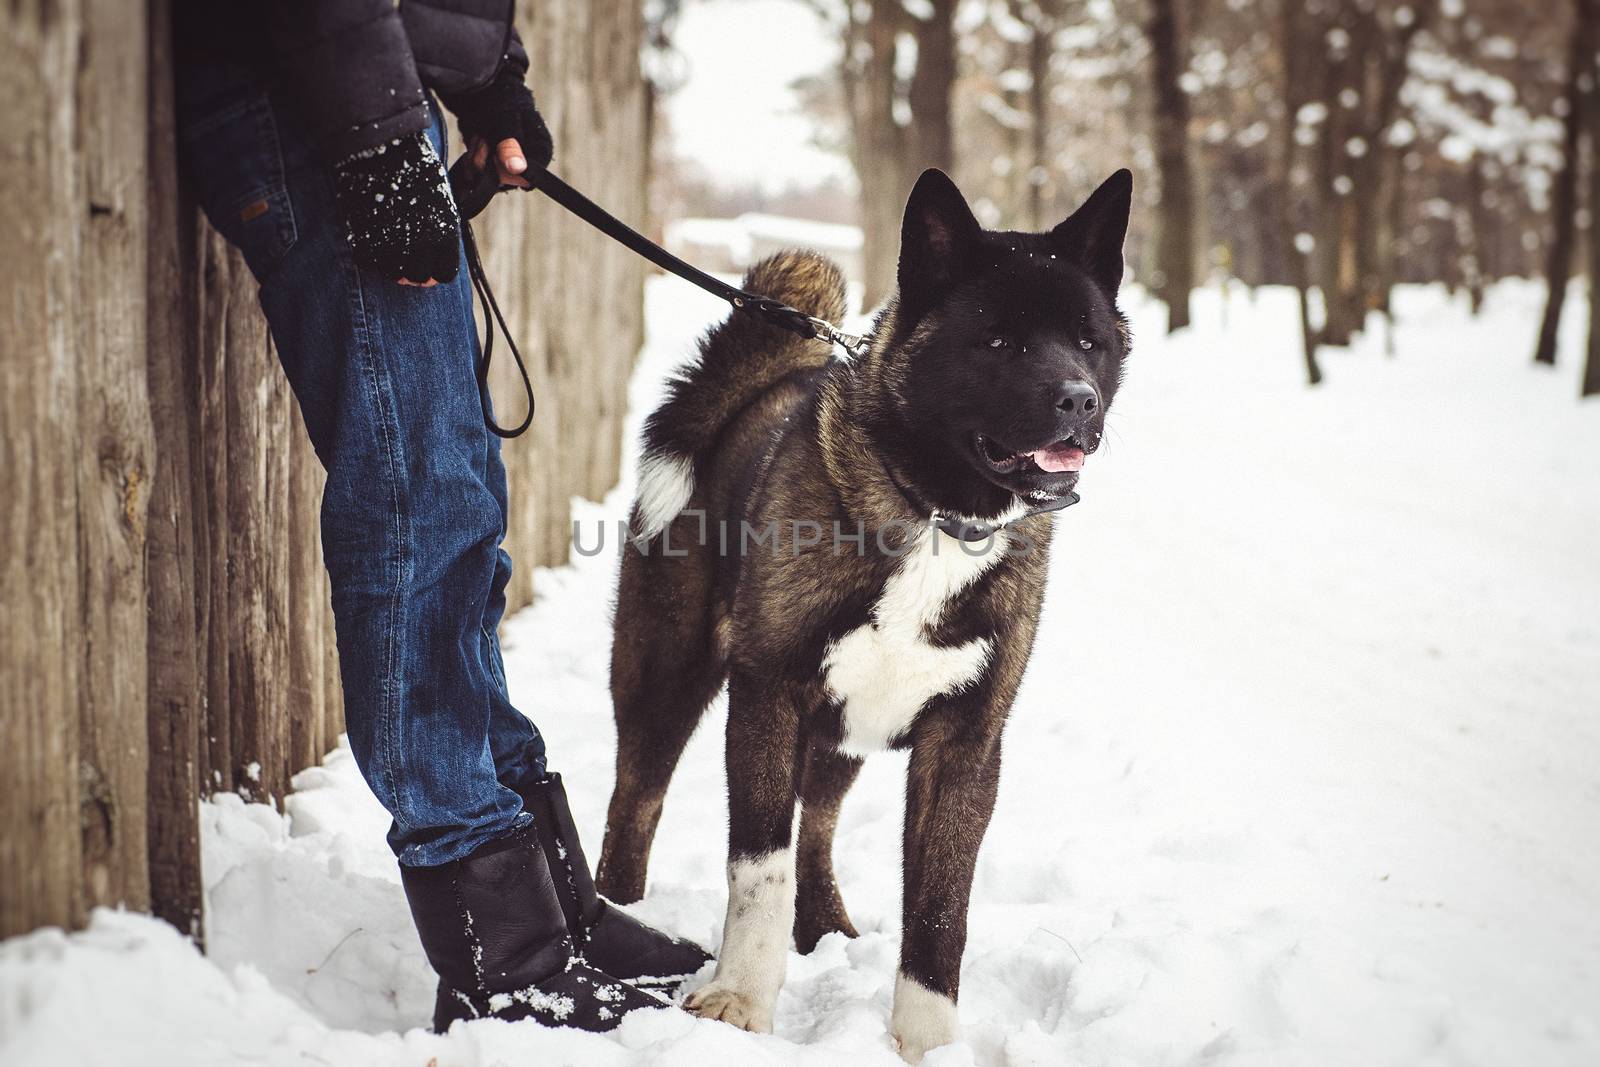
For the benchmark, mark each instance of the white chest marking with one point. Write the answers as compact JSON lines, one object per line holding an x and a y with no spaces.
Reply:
{"x":884,"y":671}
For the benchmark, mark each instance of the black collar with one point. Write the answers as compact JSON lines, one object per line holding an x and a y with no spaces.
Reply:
{"x":973,"y":530}
{"x":965,"y":530}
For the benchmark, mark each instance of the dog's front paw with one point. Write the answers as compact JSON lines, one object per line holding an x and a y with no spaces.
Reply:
{"x":922,"y":1020}
{"x":736,"y":1008}
{"x":913,"y":1043}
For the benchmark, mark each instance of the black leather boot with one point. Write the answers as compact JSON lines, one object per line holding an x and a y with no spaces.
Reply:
{"x":493,"y":929}
{"x":607,"y":937}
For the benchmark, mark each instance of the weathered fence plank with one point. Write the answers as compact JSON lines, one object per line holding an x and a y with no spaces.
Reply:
{"x":221,"y":299}
{"x":256,"y":540}
{"x":177,"y":696}
{"x":78,"y":460}
{"x":307,"y":694}
{"x":40,"y":601}
{"x":114,"y":451}
{"x":333,"y":694}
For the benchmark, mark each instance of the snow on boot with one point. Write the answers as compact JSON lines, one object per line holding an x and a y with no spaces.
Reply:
{"x":607,"y":937}
{"x":493,"y":929}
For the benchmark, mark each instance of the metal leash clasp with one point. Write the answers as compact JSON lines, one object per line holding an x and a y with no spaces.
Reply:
{"x":788,"y":318}
{"x":855,"y":344}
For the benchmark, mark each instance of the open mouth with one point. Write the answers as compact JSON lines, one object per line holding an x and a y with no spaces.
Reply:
{"x":1058,"y":458}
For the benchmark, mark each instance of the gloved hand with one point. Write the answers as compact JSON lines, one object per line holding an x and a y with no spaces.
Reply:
{"x":398,"y":211}
{"x":504,"y":110}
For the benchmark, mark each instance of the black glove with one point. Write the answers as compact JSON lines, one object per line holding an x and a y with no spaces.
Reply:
{"x":397,"y":208}
{"x":504,"y":108}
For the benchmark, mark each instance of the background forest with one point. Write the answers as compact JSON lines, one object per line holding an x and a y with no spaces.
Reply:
{"x":1336,"y":146}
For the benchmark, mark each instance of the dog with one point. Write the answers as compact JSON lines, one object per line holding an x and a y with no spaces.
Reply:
{"x":858,"y":548}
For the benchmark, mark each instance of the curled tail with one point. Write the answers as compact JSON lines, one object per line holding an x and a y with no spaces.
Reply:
{"x":740,"y":358}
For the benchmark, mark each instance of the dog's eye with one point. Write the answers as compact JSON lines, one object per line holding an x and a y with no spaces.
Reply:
{"x":997,"y":342}
{"x":1086,"y":344}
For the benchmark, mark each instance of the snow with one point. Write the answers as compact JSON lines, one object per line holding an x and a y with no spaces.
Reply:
{"x":1303,"y":772}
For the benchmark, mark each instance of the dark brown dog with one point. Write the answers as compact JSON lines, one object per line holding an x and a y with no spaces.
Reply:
{"x":854,"y":546}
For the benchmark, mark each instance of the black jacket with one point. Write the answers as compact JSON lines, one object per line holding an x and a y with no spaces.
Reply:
{"x":357,"y":68}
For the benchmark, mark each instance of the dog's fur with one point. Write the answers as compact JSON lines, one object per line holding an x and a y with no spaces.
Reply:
{"x":834,"y":647}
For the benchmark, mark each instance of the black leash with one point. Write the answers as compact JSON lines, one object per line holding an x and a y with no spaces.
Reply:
{"x":474,"y":188}
{"x":776,"y":312}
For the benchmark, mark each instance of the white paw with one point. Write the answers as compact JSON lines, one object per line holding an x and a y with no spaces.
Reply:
{"x":720,"y":1001}
{"x":922,"y":1020}
{"x":913,"y":1046}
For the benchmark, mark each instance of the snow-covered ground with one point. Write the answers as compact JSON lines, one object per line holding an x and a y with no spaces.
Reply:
{"x":1304,"y":771}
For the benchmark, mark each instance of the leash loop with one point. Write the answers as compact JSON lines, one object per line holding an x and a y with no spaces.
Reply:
{"x":492,"y":317}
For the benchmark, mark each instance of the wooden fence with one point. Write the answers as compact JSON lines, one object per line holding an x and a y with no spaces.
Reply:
{"x":164,"y":621}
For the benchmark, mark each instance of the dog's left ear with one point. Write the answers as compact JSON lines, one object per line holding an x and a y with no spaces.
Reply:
{"x":937,"y":240}
{"x":1094,"y":234}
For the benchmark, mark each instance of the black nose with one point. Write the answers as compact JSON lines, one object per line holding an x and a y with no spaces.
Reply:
{"x":1077,"y":398}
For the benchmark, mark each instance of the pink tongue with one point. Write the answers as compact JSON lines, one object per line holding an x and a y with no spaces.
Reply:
{"x":1058,"y":458}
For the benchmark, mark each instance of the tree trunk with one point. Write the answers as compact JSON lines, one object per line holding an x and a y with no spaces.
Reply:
{"x":1391,"y":240}
{"x":1591,"y":366}
{"x":1335,"y":216}
{"x":1378,"y":173}
{"x":1564,"y":197}
{"x":1473,"y":228}
{"x":1041,"y":46}
{"x":1293,"y":52}
{"x":895,"y":134}
{"x":930,"y":139}
{"x":1175,"y":248}
{"x":876,"y":149}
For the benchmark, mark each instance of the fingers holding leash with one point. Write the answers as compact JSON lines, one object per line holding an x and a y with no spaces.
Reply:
{"x":510,"y":162}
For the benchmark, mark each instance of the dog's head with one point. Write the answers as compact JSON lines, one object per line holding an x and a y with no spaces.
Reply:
{"x":1006,"y":349}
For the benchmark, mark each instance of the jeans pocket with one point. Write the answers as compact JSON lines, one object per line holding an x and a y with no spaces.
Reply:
{"x":235,"y":161}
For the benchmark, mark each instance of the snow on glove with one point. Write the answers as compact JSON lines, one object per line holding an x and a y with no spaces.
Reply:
{"x":398,"y":211}
{"x":504,"y":108}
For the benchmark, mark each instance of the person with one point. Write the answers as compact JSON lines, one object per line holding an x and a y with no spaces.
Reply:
{"x":311,"y":135}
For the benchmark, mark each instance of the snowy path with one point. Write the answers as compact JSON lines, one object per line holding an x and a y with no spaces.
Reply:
{"x":1304,"y":771}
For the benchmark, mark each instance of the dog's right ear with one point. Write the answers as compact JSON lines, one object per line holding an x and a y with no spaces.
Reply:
{"x":937,"y":240}
{"x":1096,"y":231}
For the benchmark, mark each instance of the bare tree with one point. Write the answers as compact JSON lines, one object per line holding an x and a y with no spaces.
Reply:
{"x":1564,"y":196}
{"x":1366,"y":62}
{"x":899,"y":123}
{"x":1376,"y":169}
{"x":1043,"y":19}
{"x":1175,"y":241}
{"x":1293,"y":39}
{"x":1589,"y":12}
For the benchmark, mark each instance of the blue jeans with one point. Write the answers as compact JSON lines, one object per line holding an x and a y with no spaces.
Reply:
{"x":415,"y":505}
